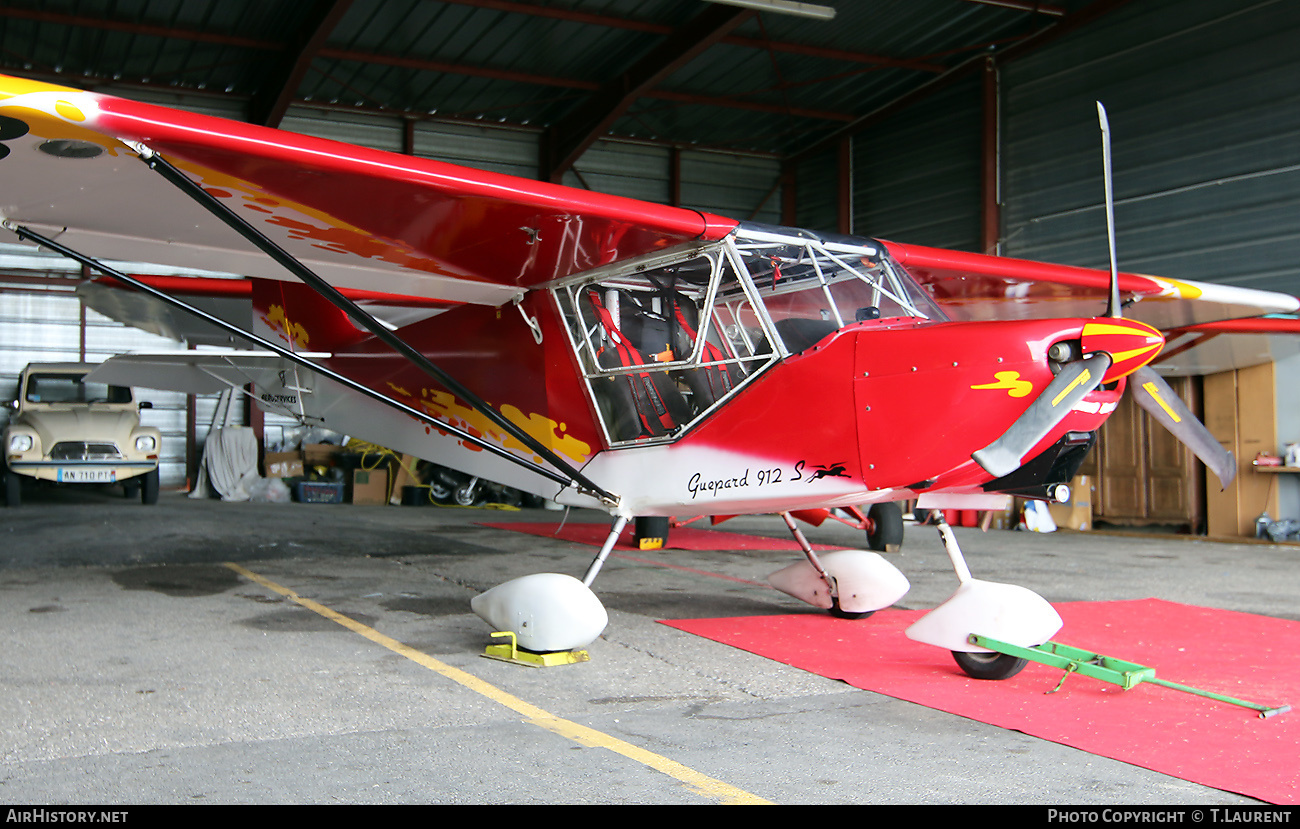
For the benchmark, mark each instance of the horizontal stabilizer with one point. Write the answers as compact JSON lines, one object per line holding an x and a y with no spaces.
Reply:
{"x":190,"y":373}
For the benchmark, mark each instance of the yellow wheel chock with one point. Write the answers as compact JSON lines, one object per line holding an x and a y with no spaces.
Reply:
{"x":512,"y":653}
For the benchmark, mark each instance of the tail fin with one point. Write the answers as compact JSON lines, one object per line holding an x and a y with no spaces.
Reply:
{"x":294,"y":314}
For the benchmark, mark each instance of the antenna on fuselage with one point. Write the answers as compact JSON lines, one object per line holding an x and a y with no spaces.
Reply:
{"x":1113,"y":305}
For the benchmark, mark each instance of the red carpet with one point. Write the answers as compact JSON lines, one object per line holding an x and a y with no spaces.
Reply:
{"x":679,"y":538}
{"x":1173,"y":732}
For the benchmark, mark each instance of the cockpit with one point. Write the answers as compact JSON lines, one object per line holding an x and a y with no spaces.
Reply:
{"x":664,"y":340}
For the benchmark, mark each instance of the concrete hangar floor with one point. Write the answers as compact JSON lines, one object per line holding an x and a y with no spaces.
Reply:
{"x":140,"y":668}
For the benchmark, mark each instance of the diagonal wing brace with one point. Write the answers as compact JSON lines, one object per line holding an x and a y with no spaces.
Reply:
{"x":205,"y":200}
{"x":118,"y":276}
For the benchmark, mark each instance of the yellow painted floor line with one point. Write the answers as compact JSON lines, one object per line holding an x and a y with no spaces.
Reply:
{"x":700,"y":783}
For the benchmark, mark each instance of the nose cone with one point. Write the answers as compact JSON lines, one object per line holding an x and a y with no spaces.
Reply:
{"x":1130,"y":344}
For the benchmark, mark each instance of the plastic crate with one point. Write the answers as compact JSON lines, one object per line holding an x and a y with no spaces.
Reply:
{"x":318,"y":492}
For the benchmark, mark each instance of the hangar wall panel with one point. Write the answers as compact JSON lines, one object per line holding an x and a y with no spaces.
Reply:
{"x":817,"y":192}
{"x":638,"y":171}
{"x":917,"y":174}
{"x":1204,"y":105}
{"x":736,"y":186}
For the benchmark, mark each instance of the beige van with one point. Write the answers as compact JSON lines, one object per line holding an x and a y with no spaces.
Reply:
{"x":67,"y":431}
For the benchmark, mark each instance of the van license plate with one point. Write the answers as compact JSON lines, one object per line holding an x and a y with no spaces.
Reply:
{"x":87,"y":476}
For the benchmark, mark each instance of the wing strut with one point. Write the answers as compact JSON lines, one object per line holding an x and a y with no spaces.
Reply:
{"x":205,"y":200}
{"x":50,"y":244}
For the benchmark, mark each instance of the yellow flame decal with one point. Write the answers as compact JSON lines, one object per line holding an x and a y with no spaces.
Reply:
{"x":292,"y":332}
{"x":548,"y":432}
{"x":1009,"y":380}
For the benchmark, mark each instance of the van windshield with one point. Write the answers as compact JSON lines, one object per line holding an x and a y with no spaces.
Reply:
{"x":71,"y":388}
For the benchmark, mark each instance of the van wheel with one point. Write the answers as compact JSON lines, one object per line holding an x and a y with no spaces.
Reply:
{"x":13,"y":489}
{"x":149,"y":487}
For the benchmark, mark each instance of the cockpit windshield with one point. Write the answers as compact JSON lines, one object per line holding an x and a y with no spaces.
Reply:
{"x":664,"y":340}
{"x":812,"y":287}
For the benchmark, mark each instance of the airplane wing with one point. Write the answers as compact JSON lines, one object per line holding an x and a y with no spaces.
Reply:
{"x":195,"y":372}
{"x":388,"y":224}
{"x":228,"y":299}
{"x":361,"y":219}
{"x":972,"y":286}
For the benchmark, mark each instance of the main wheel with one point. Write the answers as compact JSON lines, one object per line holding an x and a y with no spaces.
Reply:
{"x":650,"y":531}
{"x":840,"y":613}
{"x":149,"y":487}
{"x":989,"y":665}
{"x":885,"y":528}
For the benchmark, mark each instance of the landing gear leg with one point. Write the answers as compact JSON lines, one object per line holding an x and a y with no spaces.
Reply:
{"x":979,"y":607}
{"x":826,"y":577}
{"x":610,"y":540}
{"x":851,"y":584}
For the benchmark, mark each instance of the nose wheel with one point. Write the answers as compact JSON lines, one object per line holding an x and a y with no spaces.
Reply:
{"x":1022,"y":617}
{"x":989,"y":665}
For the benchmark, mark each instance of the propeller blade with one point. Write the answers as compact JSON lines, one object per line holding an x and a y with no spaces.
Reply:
{"x":1113,"y":304}
{"x":1154,"y":395}
{"x":1004,"y":455}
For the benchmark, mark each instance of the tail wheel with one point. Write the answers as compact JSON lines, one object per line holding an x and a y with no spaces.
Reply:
{"x":989,"y":665}
{"x":885,"y":527}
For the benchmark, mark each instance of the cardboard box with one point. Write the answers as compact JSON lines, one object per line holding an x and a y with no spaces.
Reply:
{"x":320,"y":454}
{"x":1081,"y":492}
{"x":284,"y":465}
{"x":1076,"y":513}
{"x":1071,"y":518}
{"x":403,"y":477}
{"x":370,"y":486}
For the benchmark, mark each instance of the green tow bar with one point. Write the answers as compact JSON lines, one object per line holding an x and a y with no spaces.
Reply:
{"x":1106,"y":668}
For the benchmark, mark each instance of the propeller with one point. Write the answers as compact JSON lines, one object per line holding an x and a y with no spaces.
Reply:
{"x":1153,"y":394}
{"x":1113,"y":307}
{"x":1079,"y":377}
{"x":1003,"y":456}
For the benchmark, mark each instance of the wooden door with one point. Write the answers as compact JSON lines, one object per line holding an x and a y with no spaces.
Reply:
{"x":1142,"y":474}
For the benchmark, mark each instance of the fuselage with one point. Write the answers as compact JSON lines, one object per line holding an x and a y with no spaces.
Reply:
{"x":690,"y":384}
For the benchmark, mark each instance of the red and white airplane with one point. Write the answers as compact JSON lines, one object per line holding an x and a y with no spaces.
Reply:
{"x":609,"y":353}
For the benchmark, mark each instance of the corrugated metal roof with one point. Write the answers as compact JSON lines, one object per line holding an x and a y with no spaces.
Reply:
{"x":773,"y":83}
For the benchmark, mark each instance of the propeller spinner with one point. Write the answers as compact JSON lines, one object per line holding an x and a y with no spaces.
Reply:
{"x":1113,"y":348}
